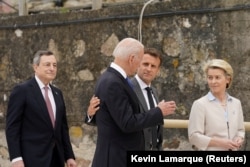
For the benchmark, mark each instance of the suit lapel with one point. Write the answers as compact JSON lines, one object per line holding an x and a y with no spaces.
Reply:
{"x":37,"y":94}
{"x":155,"y":94}
{"x":127,"y":87}
{"x":139,"y":94}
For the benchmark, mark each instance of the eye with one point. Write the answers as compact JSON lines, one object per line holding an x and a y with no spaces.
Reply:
{"x":153,"y":66}
{"x":209,"y":77}
{"x":47,"y":64}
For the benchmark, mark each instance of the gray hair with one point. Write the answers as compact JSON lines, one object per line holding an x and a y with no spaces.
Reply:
{"x":39,"y":54}
{"x":127,"y":47}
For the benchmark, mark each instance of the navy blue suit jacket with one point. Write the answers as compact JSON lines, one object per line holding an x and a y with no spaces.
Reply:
{"x":29,"y":130}
{"x":119,"y":121}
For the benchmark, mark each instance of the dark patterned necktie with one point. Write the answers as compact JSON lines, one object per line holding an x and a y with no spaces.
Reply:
{"x":150,"y":98}
{"x":152,"y":105}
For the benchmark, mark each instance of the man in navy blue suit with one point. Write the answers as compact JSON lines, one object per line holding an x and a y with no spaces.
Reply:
{"x":119,"y":121}
{"x":37,"y":134}
{"x":146,"y":73}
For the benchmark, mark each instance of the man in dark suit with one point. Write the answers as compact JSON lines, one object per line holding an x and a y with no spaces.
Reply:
{"x":146,"y":73}
{"x":119,"y":120}
{"x":36,"y":125}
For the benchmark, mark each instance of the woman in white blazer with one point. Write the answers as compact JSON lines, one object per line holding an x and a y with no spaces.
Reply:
{"x":216,"y":120}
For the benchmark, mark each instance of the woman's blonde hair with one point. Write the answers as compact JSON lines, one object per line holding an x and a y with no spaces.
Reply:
{"x":220,"y":64}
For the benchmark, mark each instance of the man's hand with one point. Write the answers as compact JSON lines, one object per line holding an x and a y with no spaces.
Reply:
{"x":71,"y":163}
{"x":167,"y":107}
{"x":18,"y":164}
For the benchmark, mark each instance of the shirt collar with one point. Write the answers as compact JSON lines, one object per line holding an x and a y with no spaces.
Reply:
{"x":119,"y":69}
{"x":40,"y":83}
{"x":142,"y":84}
{"x":211,"y":97}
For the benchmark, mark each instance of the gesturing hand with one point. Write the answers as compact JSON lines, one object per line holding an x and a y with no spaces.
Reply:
{"x":167,"y":108}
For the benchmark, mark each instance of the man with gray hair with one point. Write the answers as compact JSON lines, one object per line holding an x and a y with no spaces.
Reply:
{"x":36,"y":125}
{"x":119,"y":121}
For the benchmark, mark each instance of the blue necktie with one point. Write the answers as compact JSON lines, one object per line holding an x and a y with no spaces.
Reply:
{"x":129,"y":82}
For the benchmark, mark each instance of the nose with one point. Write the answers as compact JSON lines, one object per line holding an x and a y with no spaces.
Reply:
{"x":213,"y":80}
{"x":148,"y":67}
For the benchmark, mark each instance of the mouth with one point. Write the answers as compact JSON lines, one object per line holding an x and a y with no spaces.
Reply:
{"x":51,"y":74}
{"x":147,"y":74}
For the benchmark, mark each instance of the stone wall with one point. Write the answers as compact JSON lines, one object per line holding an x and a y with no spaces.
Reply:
{"x":187,"y":32}
{"x":37,"y":6}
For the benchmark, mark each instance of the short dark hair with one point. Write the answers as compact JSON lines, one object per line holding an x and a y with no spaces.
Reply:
{"x":154,"y":52}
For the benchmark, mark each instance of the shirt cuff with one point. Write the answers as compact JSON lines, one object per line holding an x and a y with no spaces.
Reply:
{"x":89,"y":119}
{"x":16,"y":159}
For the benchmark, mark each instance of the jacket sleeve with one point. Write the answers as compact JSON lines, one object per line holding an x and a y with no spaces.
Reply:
{"x":90,"y":120}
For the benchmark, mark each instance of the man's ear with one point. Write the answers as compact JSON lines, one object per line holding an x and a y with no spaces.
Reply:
{"x":158,"y":72}
{"x":131,"y":58}
{"x":34,"y":67}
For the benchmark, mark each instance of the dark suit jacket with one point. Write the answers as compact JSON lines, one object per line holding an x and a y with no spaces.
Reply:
{"x":119,"y":121}
{"x":29,"y":130}
{"x":144,"y":108}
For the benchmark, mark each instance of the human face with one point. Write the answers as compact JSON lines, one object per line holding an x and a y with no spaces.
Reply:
{"x":134,"y":63}
{"x":149,"y":68}
{"x":46,"y":69}
{"x":217,"y":81}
